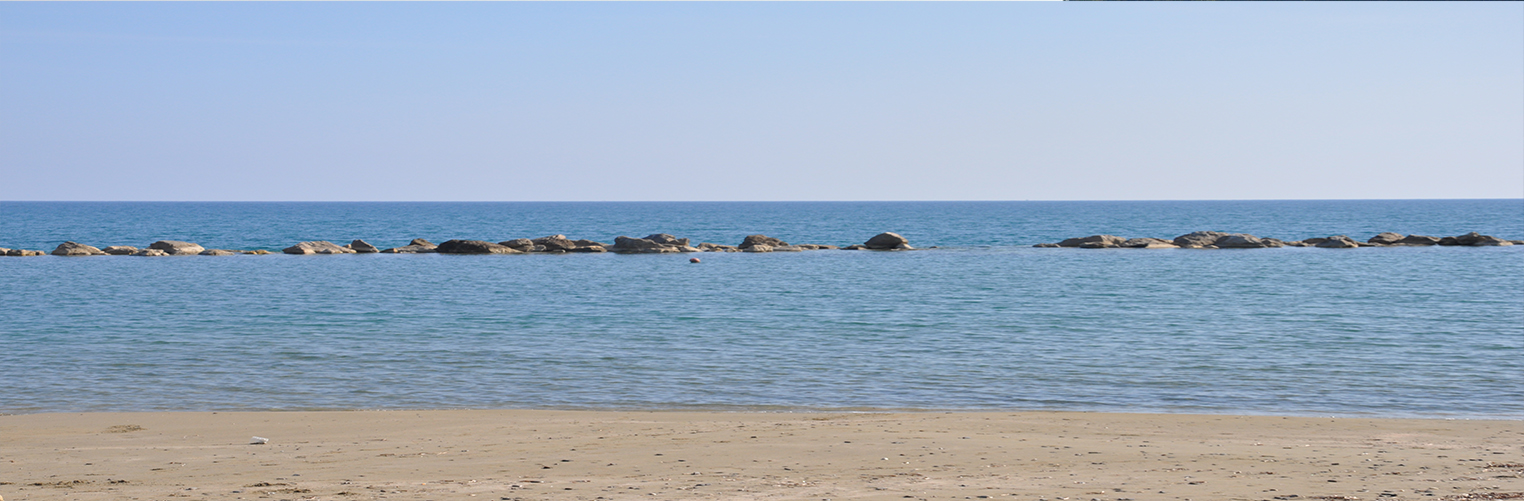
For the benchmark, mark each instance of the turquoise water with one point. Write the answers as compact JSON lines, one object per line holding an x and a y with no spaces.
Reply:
{"x":983,"y":322}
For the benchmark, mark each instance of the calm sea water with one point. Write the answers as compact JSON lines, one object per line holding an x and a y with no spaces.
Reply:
{"x":983,"y":322}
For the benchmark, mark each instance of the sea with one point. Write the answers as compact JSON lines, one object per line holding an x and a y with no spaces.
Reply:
{"x":977,"y":319}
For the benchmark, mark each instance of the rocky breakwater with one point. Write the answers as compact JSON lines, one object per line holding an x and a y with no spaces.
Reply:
{"x":1222,"y":240}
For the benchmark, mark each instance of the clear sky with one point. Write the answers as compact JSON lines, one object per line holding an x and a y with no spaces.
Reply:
{"x":760,"y":101}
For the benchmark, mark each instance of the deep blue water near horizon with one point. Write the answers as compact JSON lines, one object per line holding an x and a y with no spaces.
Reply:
{"x":984,"y":322}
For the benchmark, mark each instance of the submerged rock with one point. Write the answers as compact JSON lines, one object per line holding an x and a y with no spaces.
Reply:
{"x":76,"y":249}
{"x":317,"y":247}
{"x":1046,"y":245}
{"x":888,"y":241}
{"x":177,"y":248}
{"x":362,"y":247}
{"x":218,"y":252}
{"x":120,"y":250}
{"x":473,"y":247}
{"x":151,"y":252}
{"x":257,"y":252}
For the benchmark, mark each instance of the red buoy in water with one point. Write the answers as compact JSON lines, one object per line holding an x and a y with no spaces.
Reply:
{"x":693,"y":260}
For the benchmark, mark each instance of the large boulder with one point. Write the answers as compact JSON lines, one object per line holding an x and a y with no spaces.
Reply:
{"x":76,"y":249}
{"x":1337,"y":242}
{"x":1199,"y":239}
{"x":317,"y":247}
{"x":177,"y":248}
{"x":519,"y":244}
{"x":887,"y":241}
{"x":1474,"y":239}
{"x":1093,"y":242}
{"x":627,"y":245}
{"x":755,"y":240}
{"x":362,"y":247}
{"x":1387,"y":238}
{"x":417,"y":246}
{"x":1418,"y":240}
{"x":1145,"y":243}
{"x":120,"y":250}
{"x":473,"y":247}
{"x":555,"y":243}
{"x":1243,"y":241}
{"x":665,"y":239}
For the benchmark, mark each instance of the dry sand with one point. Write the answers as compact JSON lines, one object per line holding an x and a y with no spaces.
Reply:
{"x":519,"y":454}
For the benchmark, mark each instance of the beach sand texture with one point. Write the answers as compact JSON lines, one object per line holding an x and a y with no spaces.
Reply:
{"x":590,"y":455}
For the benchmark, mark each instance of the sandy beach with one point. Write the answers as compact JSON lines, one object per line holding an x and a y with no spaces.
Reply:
{"x":528,"y":454}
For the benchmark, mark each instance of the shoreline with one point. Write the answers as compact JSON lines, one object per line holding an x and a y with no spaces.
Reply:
{"x":786,"y":454}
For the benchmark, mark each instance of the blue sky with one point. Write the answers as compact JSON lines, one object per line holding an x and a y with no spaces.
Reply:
{"x":760,"y":101}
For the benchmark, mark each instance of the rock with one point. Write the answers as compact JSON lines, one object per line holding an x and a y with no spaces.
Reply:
{"x":362,"y":247}
{"x":1101,"y":241}
{"x":589,"y":248}
{"x":1387,"y":238}
{"x":627,"y":245}
{"x":317,"y":247}
{"x":3,"y":250}
{"x":417,"y":246}
{"x":589,"y":243}
{"x":555,"y":243}
{"x":709,"y":247}
{"x":151,"y":252}
{"x":23,"y":253}
{"x":1337,"y":242}
{"x":519,"y":244}
{"x":855,"y":247}
{"x":665,"y":239}
{"x":1047,"y":245}
{"x":473,"y":247}
{"x":120,"y":250}
{"x":177,"y":248}
{"x":759,"y":248}
{"x":1242,"y":241}
{"x":1474,"y":239}
{"x":888,"y":241}
{"x":258,"y":252}
{"x":218,"y":252}
{"x":789,"y":248}
{"x":754,"y":240}
{"x":1145,"y":243}
{"x":1418,"y":240}
{"x":76,"y":249}
{"x":1199,"y":239}
{"x":831,"y":247}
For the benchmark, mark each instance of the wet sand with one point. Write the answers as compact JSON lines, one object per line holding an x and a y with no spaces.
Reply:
{"x":590,"y":455}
